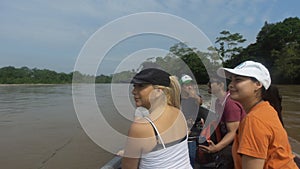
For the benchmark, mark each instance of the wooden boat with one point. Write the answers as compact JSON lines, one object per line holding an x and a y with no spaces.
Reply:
{"x":115,"y":163}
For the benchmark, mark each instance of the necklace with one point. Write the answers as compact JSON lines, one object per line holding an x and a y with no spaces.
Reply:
{"x":253,"y":105}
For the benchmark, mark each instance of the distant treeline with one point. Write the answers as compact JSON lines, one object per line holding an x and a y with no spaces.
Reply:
{"x":25,"y":75}
{"x":277,"y":46}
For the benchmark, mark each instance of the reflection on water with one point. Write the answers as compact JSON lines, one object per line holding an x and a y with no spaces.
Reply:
{"x":17,"y":99}
{"x":291,"y":108}
{"x":291,"y":113}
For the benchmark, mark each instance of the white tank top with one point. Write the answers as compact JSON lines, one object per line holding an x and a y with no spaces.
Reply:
{"x":175,"y":156}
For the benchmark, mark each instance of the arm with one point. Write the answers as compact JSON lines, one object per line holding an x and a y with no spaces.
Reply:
{"x":254,"y":149}
{"x":226,"y":140}
{"x":193,"y":93}
{"x":130,"y":163}
{"x":231,"y":115}
{"x":133,"y":148}
{"x":198,"y":99}
{"x":249,"y":162}
{"x":229,"y":137}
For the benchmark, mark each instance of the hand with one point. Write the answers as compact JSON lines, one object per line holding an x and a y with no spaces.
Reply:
{"x":192,"y":92}
{"x":120,"y":153}
{"x":202,"y":122}
{"x":211,"y":148}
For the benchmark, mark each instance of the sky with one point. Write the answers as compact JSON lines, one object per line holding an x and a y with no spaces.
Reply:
{"x":53,"y":34}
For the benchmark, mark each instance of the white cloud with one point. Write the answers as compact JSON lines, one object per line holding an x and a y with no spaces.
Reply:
{"x":63,"y":24}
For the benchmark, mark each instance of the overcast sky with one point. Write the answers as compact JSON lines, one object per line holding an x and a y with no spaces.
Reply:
{"x":50,"y":34}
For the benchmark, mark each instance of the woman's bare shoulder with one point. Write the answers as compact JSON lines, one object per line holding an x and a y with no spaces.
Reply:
{"x":140,"y":128}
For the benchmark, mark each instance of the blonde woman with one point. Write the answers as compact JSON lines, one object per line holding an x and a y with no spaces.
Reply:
{"x":158,"y":140}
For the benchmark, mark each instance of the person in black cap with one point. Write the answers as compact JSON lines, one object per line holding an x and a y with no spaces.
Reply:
{"x":158,"y":140}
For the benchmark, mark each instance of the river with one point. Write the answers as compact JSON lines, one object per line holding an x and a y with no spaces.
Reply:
{"x":40,"y":129}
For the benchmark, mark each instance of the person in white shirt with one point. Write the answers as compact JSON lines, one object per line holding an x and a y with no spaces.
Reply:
{"x":158,"y":140}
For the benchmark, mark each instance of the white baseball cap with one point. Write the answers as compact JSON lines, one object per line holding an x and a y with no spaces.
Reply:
{"x":249,"y":69}
{"x":185,"y":79}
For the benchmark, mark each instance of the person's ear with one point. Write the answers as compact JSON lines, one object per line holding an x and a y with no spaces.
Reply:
{"x":258,"y":85}
{"x":221,"y":84}
{"x":155,"y":92}
{"x":158,"y":92}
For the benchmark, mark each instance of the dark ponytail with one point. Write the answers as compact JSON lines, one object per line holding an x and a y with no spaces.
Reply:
{"x":274,"y":98}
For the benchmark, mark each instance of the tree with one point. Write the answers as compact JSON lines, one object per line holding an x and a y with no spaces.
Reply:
{"x":276,"y":36}
{"x":183,"y":59}
{"x":193,"y":61}
{"x":229,"y":44}
{"x":287,"y":68}
{"x":124,"y":76}
{"x":277,"y":47}
{"x":103,"y":79}
{"x":24,"y":75}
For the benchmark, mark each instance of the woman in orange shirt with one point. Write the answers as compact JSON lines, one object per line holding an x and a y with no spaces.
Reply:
{"x":261,"y":140}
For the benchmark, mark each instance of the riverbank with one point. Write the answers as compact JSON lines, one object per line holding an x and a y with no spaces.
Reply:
{"x":31,"y":84}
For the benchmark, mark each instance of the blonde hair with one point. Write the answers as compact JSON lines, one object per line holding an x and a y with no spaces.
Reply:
{"x":172,"y":93}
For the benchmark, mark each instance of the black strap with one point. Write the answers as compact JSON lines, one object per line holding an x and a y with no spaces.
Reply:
{"x":156,"y":134}
{"x":160,"y":146}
